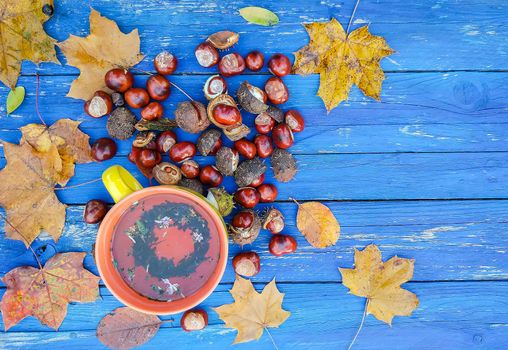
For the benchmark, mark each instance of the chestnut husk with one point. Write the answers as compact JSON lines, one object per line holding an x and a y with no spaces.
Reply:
{"x":207,"y":141}
{"x":284,"y":165}
{"x":248,"y":100}
{"x":224,"y":39}
{"x":221,"y":200}
{"x":143,"y":138}
{"x":248,"y":171}
{"x":270,"y":215}
{"x":226,"y":160}
{"x":121,"y":123}
{"x":237,"y":132}
{"x":192,"y":184}
{"x":276,"y":113}
{"x":244,"y":236}
{"x":191,"y":116}
{"x":165,"y":177}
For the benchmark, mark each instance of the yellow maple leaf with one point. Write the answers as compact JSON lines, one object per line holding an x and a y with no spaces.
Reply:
{"x":27,"y":186}
{"x":342,"y":60}
{"x":63,"y":141}
{"x":252,"y":312}
{"x":380,"y":283}
{"x":105,"y":48}
{"x":22,"y":37}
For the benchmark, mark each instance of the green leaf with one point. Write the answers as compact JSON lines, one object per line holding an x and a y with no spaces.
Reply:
{"x":259,"y":15}
{"x":15,"y":99}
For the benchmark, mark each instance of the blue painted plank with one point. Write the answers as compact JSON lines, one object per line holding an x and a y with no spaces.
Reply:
{"x":429,"y":112}
{"x":451,"y":315}
{"x":427,"y":35}
{"x":450,"y":240}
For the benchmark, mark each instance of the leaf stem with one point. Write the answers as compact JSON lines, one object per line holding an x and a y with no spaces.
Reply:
{"x":361,"y":325}
{"x":352,"y":16}
{"x":37,"y":98}
{"x":176,"y":86}
{"x":271,"y":338}
{"x":78,"y":185}
{"x":24,"y":238}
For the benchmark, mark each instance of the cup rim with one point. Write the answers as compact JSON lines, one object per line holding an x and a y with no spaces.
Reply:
{"x":114,"y":281}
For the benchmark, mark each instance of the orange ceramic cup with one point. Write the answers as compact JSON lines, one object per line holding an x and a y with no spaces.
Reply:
{"x":125,"y":190}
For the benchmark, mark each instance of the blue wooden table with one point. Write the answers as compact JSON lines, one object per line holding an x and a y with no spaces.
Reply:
{"x":423,"y":174}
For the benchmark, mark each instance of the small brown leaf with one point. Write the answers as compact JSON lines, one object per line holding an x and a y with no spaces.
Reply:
{"x":45,"y":293}
{"x":252,"y":312}
{"x":318,"y":224}
{"x":380,"y":283}
{"x":105,"y":48}
{"x":126,"y":328}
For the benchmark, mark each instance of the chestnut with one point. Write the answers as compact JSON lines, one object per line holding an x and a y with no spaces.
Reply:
{"x":94,"y":211}
{"x":134,"y":154}
{"x":231,"y":64}
{"x":226,"y":115}
{"x":273,"y":221}
{"x":209,"y":142}
{"x":282,"y":244}
{"x":248,"y":197}
{"x":103,"y":149}
{"x":149,"y":158}
{"x":99,"y":105}
{"x":209,"y":175}
{"x":182,"y":151}
{"x":254,"y":60}
{"x":279,"y":65}
{"x":246,"y":148}
{"x":251,"y":98}
{"x":136,"y":97}
{"x":206,"y":54}
{"x":264,"y":146}
{"x":264,"y":123}
{"x":215,"y":86}
{"x":245,"y":227}
{"x":267,"y":193}
{"x":119,"y":79}
{"x":246,"y":264}
{"x":194,"y":320}
{"x":282,"y":136}
{"x":257,"y":181}
{"x":165,"y":141}
{"x":158,"y":87}
{"x":165,"y":63}
{"x":294,"y":120}
{"x":276,"y":90}
{"x":152,"y":111}
{"x":223,"y":40}
{"x":190,"y":169}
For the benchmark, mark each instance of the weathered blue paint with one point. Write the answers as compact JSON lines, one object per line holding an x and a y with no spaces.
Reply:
{"x":422,"y":173}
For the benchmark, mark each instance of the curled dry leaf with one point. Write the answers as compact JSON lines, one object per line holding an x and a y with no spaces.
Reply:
{"x":22,"y":37}
{"x":252,"y":312}
{"x":318,"y":224}
{"x":342,"y":60}
{"x":380,"y":282}
{"x":105,"y":48}
{"x":125,"y":328}
{"x":45,"y":293}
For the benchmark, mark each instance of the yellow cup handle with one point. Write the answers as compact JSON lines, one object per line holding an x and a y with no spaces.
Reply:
{"x":119,"y":182}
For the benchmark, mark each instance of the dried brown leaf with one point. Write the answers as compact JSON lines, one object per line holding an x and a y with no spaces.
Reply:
{"x":318,"y":224}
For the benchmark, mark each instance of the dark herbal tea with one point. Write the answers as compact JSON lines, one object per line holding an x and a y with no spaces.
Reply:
{"x":165,"y":247}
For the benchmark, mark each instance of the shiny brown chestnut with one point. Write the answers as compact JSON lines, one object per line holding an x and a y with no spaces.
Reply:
{"x":209,"y":175}
{"x":257,"y":181}
{"x":282,"y":244}
{"x":134,"y":154}
{"x":267,"y":193}
{"x":165,"y":141}
{"x":282,"y":136}
{"x":231,"y":64}
{"x":190,"y":169}
{"x":247,"y":264}
{"x":264,"y":123}
{"x":248,"y":197}
{"x":165,"y":63}
{"x":215,"y":86}
{"x":103,"y":149}
{"x":276,"y":90}
{"x":226,"y":115}
{"x":119,"y":79}
{"x":99,"y":105}
{"x":206,"y":54}
{"x":273,"y":221}
{"x":294,"y":120}
{"x":254,"y":60}
{"x":243,"y":219}
{"x":137,"y":97}
{"x":152,"y":111}
{"x":94,"y":211}
{"x":149,"y":158}
{"x":194,"y":320}
{"x":182,"y":151}
{"x":264,"y":146}
{"x":158,"y":87}
{"x":246,"y":148}
{"x":279,"y":65}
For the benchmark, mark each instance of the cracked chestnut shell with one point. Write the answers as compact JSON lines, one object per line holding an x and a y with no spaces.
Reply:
{"x":246,"y":264}
{"x":283,"y":165}
{"x":167,"y":174}
{"x":237,"y":132}
{"x":209,"y":142}
{"x":248,"y":171}
{"x":251,"y":98}
{"x":223,"y":40}
{"x":215,"y":86}
{"x":245,"y":234}
{"x":226,"y":160}
{"x":273,"y":221}
{"x":191,"y":116}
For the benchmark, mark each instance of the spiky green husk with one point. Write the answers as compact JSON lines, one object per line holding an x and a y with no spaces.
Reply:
{"x":222,"y":200}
